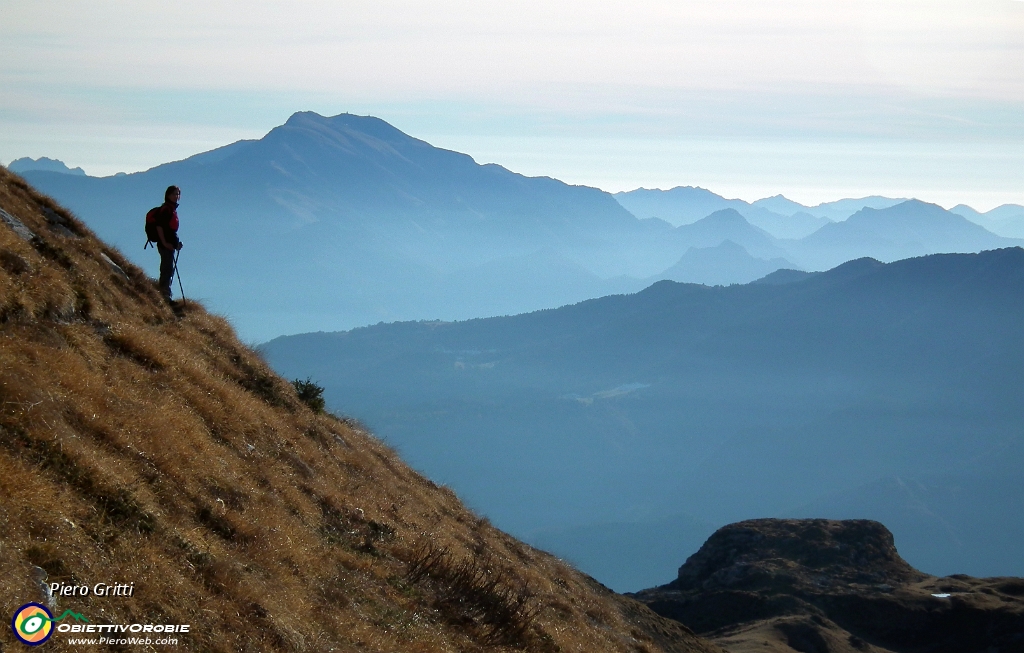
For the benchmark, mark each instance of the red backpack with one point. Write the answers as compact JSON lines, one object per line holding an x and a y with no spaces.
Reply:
{"x":157,"y":217}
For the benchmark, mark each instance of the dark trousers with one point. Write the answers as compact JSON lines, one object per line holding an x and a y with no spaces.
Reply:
{"x":166,"y":269}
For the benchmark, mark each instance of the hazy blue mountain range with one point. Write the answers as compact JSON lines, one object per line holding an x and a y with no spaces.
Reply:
{"x":332,"y":223}
{"x":784,"y":218}
{"x":335,"y":222}
{"x":883,"y":391}
{"x":686,"y":204}
{"x":25,"y":164}
{"x":910,"y":228}
{"x":1006,"y":220}
{"x":721,"y":265}
{"x":781,"y":204}
{"x":778,"y":215}
{"x":730,"y":225}
{"x":836,"y":211}
{"x":905,"y":230}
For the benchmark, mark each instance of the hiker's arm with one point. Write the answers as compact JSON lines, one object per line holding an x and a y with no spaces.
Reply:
{"x":163,"y":239}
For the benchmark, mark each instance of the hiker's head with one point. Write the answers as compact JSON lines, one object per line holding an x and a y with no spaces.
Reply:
{"x":172,"y":194}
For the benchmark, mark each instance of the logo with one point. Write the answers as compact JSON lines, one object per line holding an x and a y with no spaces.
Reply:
{"x":33,"y":623}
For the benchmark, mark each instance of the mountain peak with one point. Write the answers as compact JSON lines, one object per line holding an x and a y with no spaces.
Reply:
{"x":780,"y":204}
{"x":303,"y":116}
{"x":349,"y":122}
{"x":724,"y":217}
{"x":730,"y":223}
{"x":854,"y":268}
{"x":43,"y":163}
{"x":911,"y":207}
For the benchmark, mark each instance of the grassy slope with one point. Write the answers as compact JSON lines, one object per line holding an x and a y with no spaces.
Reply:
{"x":141,"y":446}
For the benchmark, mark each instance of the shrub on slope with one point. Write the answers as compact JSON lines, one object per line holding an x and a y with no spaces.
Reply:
{"x":137,"y":445}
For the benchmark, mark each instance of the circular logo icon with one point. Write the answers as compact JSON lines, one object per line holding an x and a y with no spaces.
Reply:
{"x":32,"y":624}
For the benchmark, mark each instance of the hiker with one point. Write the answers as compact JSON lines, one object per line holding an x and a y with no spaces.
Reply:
{"x":162,"y":229}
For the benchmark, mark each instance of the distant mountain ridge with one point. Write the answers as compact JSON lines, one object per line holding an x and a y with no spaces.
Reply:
{"x":42,"y":163}
{"x":905,"y":230}
{"x":686,"y":204}
{"x":358,"y":222}
{"x":728,"y":224}
{"x":785,"y":218}
{"x":793,"y":397}
{"x":1006,"y":220}
{"x":722,"y":265}
{"x":836,"y":211}
{"x":335,"y":222}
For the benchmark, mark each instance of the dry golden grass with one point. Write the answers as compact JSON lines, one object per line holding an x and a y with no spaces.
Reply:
{"x":137,"y":445}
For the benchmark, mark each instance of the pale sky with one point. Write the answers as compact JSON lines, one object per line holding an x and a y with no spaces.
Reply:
{"x":814,"y":99}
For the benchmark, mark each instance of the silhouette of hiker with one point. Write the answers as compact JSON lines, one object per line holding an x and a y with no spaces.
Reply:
{"x":165,"y":219}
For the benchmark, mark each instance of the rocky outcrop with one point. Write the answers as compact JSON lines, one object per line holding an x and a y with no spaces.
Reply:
{"x":821,"y":586}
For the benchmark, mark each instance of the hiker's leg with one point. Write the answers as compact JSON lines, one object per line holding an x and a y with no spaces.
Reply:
{"x":166,"y":270}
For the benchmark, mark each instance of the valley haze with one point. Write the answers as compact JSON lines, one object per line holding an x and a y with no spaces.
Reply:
{"x":885,"y":391}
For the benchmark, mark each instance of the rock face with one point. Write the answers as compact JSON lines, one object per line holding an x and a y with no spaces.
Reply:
{"x":821,"y":586}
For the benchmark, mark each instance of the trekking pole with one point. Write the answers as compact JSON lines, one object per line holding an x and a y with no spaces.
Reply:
{"x":178,"y":274}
